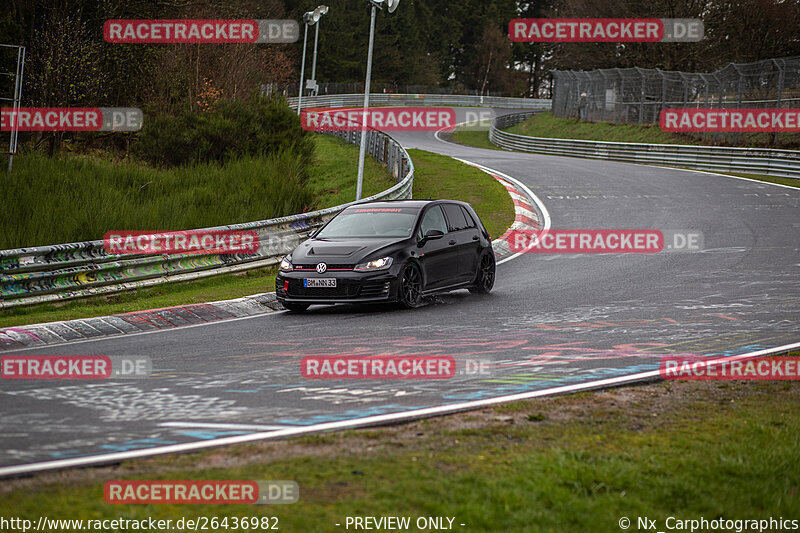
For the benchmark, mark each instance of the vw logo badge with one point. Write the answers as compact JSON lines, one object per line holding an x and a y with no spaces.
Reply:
{"x":321,"y":267}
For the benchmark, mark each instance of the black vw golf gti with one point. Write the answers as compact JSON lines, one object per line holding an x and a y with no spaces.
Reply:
{"x":393,"y":251}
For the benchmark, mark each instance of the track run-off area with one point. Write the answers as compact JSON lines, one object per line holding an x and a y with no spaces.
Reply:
{"x":554,"y":323}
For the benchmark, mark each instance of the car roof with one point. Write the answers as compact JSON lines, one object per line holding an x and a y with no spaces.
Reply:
{"x":405,"y":203}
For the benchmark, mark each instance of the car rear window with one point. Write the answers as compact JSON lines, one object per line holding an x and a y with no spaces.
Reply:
{"x":470,"y":221}
{"x":455,"y":217}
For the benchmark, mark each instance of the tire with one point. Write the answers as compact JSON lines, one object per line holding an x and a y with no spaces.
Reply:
{"x":409,"y":292}
{"x":484,"y":279}
{"x":294,"y":308}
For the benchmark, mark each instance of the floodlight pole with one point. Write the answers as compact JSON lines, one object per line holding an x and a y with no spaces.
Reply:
{"x":302,"y":69}
{"x":314,"y":63}
{"x":363,"y":147}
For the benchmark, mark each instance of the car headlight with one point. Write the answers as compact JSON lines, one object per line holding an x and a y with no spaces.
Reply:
{"x":376,"y":264}
{"x":286,"y":264}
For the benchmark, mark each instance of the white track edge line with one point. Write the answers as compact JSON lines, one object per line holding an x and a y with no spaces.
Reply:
{"x":370,"y":420}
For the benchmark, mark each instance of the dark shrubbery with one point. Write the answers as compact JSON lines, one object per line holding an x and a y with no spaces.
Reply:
{"x":233,"y":128}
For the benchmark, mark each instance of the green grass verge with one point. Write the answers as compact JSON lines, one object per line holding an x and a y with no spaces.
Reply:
{"x":74,"y":198}
{"x":548,"y":126}
{"x":439,"y":176}
{"x":476,"y":138}
{"x":334,"y":170}
{"x":574,"y":463}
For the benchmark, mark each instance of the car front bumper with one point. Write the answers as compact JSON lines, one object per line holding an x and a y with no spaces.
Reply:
{"x":351,"y":287}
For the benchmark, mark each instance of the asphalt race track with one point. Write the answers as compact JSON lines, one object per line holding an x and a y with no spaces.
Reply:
{"x":552,"y":321}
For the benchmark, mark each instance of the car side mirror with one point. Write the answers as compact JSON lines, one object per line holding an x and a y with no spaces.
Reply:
{"x":431,"y":235}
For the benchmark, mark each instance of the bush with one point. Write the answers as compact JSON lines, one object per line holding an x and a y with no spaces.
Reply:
{"x":256,"y":127}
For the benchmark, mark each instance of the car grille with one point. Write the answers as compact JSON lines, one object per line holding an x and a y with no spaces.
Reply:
{"x":343,"y":289}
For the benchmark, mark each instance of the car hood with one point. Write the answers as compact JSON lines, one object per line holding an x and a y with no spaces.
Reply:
{"x":339,"y":251}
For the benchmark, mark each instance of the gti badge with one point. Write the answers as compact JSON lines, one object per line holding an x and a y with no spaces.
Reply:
{"x":321,"y":267}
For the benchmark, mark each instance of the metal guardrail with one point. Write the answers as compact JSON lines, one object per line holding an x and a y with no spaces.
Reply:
{"x":64,"y":271}
{"x":384,"y":99}
{"x":781,"y":163}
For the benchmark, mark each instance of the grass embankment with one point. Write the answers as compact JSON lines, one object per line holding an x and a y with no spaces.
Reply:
{"x":438,"y":176}
{"x":69,"y":199}
{"x":474,"y":134}
{"x":572,"y":463}
{"x":332,"y":182}
{"x":547,"y":126}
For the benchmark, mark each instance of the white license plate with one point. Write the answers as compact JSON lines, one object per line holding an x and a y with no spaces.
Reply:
{"x":319,"y":282}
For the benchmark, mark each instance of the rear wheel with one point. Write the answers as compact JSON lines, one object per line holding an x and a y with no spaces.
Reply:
{"x":410,"y":291}
{"x":294,"y":308}
{"x":484,"y":280}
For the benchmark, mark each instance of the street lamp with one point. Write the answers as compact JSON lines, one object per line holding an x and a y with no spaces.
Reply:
{"x":309,"y":19}
{"x":322,"y":10}
{"x":391,"y":5}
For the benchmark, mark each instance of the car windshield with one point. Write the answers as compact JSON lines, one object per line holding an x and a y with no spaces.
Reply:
{"x":395,"y":222}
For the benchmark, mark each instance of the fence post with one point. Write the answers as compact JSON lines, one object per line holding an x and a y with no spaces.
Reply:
{"x":781,"y":74}
{"x":685,"y":89}
{"x":621,"y":99}
{"x":605,"y":96}
{"x":641,"y":96}
{"x":738,"y":99}
{"x":721,"y":96}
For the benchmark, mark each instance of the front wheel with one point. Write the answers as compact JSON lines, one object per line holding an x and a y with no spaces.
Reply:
{"x":484,"y":281}
{"x":410,"y":291}
{"x":294,"y":308}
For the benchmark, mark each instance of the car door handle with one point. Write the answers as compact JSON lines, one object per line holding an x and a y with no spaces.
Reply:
{"x":452,"y":243}
{"x":475,"y":238}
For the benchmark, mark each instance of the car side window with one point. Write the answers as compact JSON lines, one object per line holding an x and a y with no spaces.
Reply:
{"x":432,"y":219}
{"x":468,"y":216}
{"x":455,"y":217}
